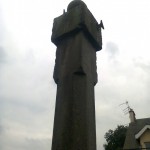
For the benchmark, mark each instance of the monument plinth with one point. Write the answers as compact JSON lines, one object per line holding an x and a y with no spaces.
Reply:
{"x":77,"y":36}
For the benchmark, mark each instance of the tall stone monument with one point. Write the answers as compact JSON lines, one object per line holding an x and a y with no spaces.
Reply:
{"x":77,"y":36}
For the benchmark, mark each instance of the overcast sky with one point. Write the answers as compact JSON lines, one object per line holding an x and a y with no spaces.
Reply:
{"x":27,"y":89}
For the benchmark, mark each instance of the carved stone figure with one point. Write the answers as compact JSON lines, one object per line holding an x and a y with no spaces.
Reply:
{"x":77,"y":36}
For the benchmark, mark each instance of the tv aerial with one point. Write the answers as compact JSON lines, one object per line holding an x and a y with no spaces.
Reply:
{"x":127,"y":109}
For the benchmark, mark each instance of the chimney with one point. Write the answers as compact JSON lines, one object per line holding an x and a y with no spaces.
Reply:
{"x":132,"y":116}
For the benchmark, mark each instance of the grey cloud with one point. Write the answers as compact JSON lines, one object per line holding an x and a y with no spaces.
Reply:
{"x":1,"y":129}
{"x":13,"y":142}
{"x":2,"y":55}
{"x":1,"y":26}
{"x":2,"y":31}
{"x":38,"y":144}
{"x":26,"y":104}
{"x":112,"y":49}
{"x":145,"y":75}
{"x":143,"y":66}
{"x":24,"y":127}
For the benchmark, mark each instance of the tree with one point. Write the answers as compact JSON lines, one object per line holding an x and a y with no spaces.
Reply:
{"x":115,"y":139}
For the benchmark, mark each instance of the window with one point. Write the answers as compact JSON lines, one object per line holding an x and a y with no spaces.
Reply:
{"x":147,"y":145}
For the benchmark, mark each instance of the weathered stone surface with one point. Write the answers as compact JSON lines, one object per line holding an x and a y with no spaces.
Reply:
{"x":77,"y":37}
{"x":74,"y":54}
{"x":74,"y":20}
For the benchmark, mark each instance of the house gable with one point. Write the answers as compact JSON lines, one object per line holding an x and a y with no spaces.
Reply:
{"x":145,"y":139}
{"x":138,"y":135}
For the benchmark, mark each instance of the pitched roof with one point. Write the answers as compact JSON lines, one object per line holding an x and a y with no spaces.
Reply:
{"x":133,"y":129}
{"x":138,"y":135}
